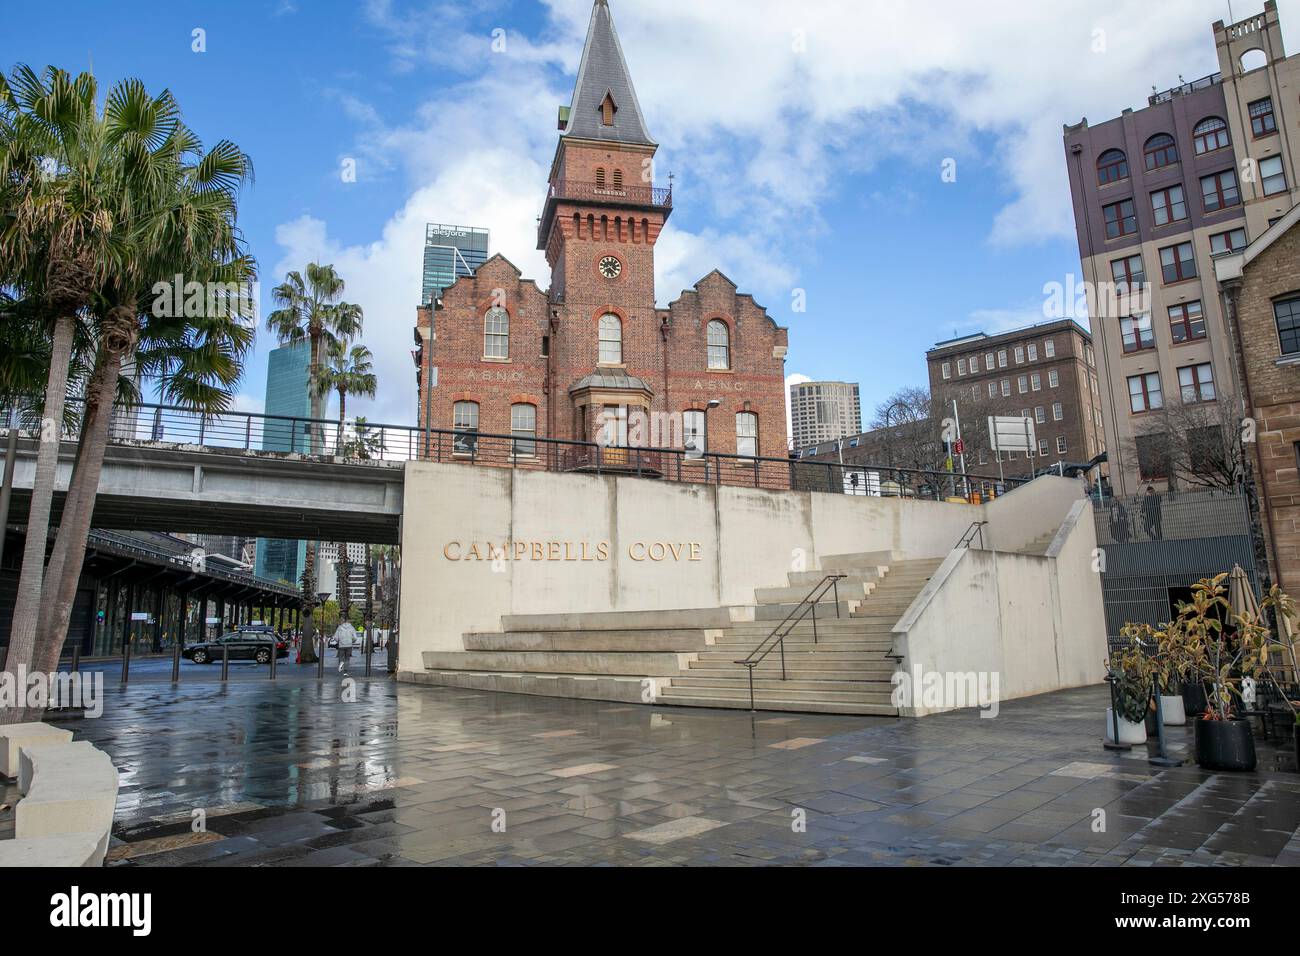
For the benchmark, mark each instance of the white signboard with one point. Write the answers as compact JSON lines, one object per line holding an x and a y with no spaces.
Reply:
{"x":212,"y":620}
{"x":1012,"y":434}
{"x":139,"y":615}
{"x":858,"y":482}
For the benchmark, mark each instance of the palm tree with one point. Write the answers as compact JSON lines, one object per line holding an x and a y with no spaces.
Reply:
{"x":312,"y":309}
{"x":350,"y":371}
{"x":56,"y":161}
{"x":174,"y":212}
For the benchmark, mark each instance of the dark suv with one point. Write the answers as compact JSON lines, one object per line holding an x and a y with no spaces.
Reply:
{"x":246,"y":644}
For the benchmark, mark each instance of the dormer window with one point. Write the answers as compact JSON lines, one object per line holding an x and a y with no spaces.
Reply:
{"x":608,"y":109}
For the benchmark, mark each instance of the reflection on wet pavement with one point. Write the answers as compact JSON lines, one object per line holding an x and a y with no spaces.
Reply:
{"x":257,"y":773}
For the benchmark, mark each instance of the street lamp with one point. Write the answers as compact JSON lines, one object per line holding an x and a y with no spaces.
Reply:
{"x":713,"y":403}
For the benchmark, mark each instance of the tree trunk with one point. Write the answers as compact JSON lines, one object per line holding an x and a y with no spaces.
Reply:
{"x":343,"y":404}
{"x":70,"y":546}
{"x":27,"y":604}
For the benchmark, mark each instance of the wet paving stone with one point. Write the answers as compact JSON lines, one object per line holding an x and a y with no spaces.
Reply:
{"x":295,"y":775}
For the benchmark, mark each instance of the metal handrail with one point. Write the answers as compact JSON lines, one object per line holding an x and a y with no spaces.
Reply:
{"x":976,"y":527}
{"x":777,"y":637}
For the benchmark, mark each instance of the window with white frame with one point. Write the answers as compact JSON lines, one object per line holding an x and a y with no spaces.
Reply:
{"x":611,"y":340}
{"x":1060,"y":445}
{"x":1006,"y":387}
{"x":465,"y":423}
{"x":496,"y":334}
{"x":523,"y":428}
{"x":693,"y":437}
{"x":1058,"y":412}
{"x":1002,"y":358}
{"x":946,"y":370}
{"x":1022,"y":383}
{"x":1033,"y":351}
{"x":961,"y":366}
{"x":1040,"y":415}
{"x":1036,"y":382}
{"x":988,"y":362}
{"x":1020,"y":354}
{"x":1042,"y":447}
{"x":1049,"y":348}
{"x":1053,"y":378}
{"x":747,"y":434}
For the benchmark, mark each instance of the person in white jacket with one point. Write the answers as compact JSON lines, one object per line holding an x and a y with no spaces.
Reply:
{"x":346,"y":639}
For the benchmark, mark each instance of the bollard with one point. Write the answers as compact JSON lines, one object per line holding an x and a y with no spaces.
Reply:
{"x":320,"y":659}
{"x":1161,"y":759}
{"x":225,"y":661}
{"x":176,"y":662}
{"x":369,"y":651}
{"x":126,"y":659}
{"x":76,"y":658}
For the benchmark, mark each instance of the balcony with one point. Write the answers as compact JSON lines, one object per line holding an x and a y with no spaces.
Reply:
{"x":636,"y":196}
{"x":1204,"y":83}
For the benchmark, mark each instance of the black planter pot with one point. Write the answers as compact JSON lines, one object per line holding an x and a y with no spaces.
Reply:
{"x":1194,"y":700}
{"x":1225,"y":744}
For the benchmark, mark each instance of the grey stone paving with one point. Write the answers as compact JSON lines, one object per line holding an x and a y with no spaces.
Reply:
{"x":406,"y":775}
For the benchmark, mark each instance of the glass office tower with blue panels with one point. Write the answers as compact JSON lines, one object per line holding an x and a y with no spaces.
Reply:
{"x":449,"y":253}
{"x":288,"y":394}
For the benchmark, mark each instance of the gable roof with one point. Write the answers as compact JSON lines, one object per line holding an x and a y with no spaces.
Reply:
{"x":1231,"y":266}
{"x":604,"y":73}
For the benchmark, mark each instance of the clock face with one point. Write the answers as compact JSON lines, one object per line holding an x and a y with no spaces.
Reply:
{"x":610,"y":267}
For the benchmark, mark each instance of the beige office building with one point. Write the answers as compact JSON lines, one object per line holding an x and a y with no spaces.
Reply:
{"x":1158,"y":193}
{"x":824,"y":411}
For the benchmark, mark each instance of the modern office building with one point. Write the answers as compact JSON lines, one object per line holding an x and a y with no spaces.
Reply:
{"x":824,"y":411}
{"x":1201,"y":171}
{"x":1046,"y":372}
{"x":288,"y":396}
{"x":329,"y":578}
{"x":449,"y":253}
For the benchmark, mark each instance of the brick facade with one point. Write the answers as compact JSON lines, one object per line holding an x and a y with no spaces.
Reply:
{"x":601,"y":221}
{"x":1273,"y":387}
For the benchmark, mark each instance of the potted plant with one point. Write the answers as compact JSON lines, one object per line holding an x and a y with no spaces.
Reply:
{"x":1130,"y":678}
{"x":1198,"y":647}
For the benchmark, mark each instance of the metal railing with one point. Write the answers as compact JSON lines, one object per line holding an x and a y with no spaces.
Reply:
{"x":782,"y":631}
{"x":976,"y":529}
{"x":362,"y":442}
{"x":608,"y":192}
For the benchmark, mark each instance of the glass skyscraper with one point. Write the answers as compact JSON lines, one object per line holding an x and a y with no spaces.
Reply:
{"x":449,"y":253}
{"x":288,"y":394}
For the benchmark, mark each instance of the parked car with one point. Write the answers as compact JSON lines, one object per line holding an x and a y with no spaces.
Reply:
{"x":246,"y":644}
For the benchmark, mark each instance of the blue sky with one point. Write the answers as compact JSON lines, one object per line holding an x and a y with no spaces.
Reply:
{"x":807,"y":141}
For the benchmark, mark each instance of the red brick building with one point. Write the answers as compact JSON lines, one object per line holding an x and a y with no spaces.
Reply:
{"x":593,"y":358}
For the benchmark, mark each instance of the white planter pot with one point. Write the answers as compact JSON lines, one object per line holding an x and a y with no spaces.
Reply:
{"x":1128,"y":733}
{"x":1173,"y":711}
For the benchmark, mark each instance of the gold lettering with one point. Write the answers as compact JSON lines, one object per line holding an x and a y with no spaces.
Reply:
{"x":552,"y":551}
{"x":568,"y":551}
{"x":474,"y":553}
{"x":446,"y":552}
{"x":602,"y":551}
{"x":657,"y":551}
{"x":676,"y":550}
{"x":637,"y":547}
{"x":537,"y":551}
{"x":520,"y":548}
{"x":695,"y":551}
{"x":586,"y":553}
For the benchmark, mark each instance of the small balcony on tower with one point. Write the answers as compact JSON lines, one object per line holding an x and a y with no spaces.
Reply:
{"x":605,"y":196}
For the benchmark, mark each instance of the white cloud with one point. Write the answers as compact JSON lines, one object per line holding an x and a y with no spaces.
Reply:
{"x":763,"y":108}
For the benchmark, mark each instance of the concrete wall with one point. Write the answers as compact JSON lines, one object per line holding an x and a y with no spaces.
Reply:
{"x":1029,"y":511}
{"x":745,"y":539}
{"x":1035,"y":621}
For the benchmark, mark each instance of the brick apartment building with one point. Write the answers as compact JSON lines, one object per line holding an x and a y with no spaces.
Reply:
{"x":1158,"y":193}
{"x":501,"y":355}
{"x":1262,"y":291}
{"x":1046,"y":372}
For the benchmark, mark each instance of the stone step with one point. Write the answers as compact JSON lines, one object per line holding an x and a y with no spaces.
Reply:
{"x":618,"y":620}
{"x":802,"y":643}
{"x":848,"y":591}
{"x":809,"y":579}
{"x":778,"y":612}
{"x":627,"y":690}
{"x":778,"y":704}
{"x":792,"y":684}
{"x":665,"y":640}
{"x":859,"y":559}
{"x":596,"y":663}
{"x":741,"y":689}
{"x":772,"y":664}
{"x":881,"y":673}
{"x":792,"y":654}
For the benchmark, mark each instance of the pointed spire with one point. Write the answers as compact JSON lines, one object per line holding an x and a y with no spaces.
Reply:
{"x":604,"y":105}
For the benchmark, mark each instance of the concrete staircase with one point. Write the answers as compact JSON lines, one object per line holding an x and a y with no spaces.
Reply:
{"x":688,"y":657}
{"x":845,"y":670}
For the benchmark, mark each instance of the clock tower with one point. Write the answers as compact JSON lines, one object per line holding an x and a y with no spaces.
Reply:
{"x":602,"y":217}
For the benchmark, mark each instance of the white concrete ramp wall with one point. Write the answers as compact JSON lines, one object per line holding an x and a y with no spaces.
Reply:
{"x":728,"y":542}
{"x":1036,"y":622}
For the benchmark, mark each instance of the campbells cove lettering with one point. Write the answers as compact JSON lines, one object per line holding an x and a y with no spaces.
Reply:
{"x":526,"y":551}
{"x":589,"y":551}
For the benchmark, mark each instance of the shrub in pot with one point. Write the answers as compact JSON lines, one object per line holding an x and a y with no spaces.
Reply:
{"x":1130,"y":676}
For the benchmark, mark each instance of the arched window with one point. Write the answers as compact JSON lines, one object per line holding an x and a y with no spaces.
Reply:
{"x":618,"y":179}
{"x":1160,"y":151}
{"x":496,"y":334}
{"x":465,"y":423}
{"x":1112,"y":166}
{"x":1210,"y":134}
{"x":747,"y":434}
{"x":611,"y":340}
{"x":719,"y":345}
{"x":523,"y":426}
{"x":600,"y":177}
{"x":693,"y":437}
